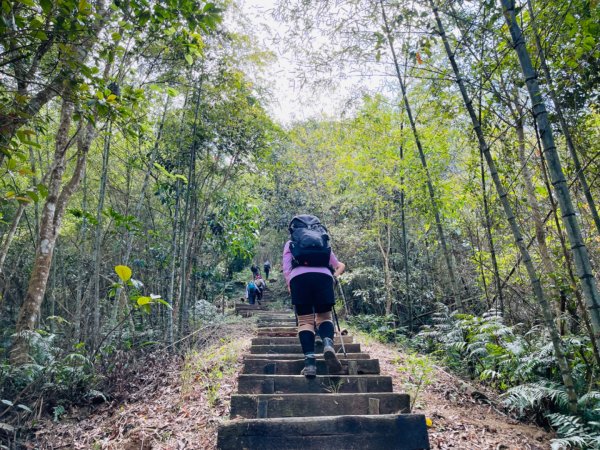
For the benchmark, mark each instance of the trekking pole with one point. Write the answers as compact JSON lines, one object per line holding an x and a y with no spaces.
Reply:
{"x":343,"y":297}
{"x":340,"y":332}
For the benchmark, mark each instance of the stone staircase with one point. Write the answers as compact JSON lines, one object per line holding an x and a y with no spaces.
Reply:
{"x":277,"y":408}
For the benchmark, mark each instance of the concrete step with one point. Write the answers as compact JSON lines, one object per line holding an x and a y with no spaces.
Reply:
{"x":293,"y":367}
{"x":295,"y":348}
{"x":384,"y":432}
{"x":298,"y":384}
{"x":275,"y":340}
{"x":307,"y":405}
{"x":279,"y":356}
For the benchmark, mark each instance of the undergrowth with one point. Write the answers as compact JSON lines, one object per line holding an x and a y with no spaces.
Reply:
{"x":519,"y":363}
{"x":55,"y":382}
{"x":208,"y":367}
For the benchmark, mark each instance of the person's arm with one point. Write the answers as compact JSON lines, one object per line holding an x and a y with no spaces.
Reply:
{"x":338,"y":266}
{"x":339,"y":269}
{"x":287,"y":263}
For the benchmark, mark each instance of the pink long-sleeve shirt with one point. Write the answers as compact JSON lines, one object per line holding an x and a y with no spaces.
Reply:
{"x":290,"y":272}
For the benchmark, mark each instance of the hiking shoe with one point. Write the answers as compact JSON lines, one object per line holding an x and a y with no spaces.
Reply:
{"x":310,"y":367}
{"x":331,"y":360}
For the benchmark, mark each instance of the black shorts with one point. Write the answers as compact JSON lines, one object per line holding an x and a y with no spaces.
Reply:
{"x":312,"y":289}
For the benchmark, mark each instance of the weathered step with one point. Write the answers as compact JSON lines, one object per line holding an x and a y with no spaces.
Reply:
{"x":385,"y":432}
{"x":288,"y":333}
{"x":278,"y":330}
{"x":287,"y":367}
{"x":276,"y":323}
{"x":295,"y":348}
{"x":298,"y":384}
{"x":249,"y":309}
{"x":279,"y":356}
{"x":277,"y":315}
{"x":275,"y":340}
{"x":281,"y":318}
{"x":307,"y":405}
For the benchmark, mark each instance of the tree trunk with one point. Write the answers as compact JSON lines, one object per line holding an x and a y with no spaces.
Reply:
{"x":490,"y":239}
{"x":561,"y":120}
{"x":540,"y":232}
{"x":171,"y":313}
{"x":550,"y":154}
{"x":52,"y":214}
{"x":438,"y":222}
{"x":384,"y":246}
{"x":97,"y":252}
{"x":535,"y":280}
{"x":569,"y":261}
{"x":10,"y":235}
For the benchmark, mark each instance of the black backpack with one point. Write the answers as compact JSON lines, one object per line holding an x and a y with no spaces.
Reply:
{"x":309,"y":242}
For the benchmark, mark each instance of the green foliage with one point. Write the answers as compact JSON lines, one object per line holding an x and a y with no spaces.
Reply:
{"x":420,"y":370}
{"x":382,"y":328}
{"x":521,"y":364}
{"x":60,"y":379}
{"x":208,"y":367}
{"x":542,"y":397}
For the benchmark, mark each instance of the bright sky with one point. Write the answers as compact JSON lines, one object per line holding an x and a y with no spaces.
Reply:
{"x":291,"y":101}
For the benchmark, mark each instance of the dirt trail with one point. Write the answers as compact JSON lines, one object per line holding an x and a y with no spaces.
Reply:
{"x":171,"y":411}
{"x":460,"y":421}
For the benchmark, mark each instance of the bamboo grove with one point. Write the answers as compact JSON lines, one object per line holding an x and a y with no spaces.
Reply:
{"x":459,"y":183}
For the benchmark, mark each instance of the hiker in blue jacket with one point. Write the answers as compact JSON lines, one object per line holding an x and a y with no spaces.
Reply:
{"x":251,"y":291}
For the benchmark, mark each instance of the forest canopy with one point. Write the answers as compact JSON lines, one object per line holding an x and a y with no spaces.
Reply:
{"x":144,"y":168}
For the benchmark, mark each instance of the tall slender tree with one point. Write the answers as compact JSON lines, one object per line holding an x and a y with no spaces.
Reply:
{"x":518,"y":237}
{"x":557,"y":177}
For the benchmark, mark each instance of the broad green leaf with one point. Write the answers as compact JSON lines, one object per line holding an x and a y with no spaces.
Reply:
{"x":42,"y":190}
{"x":189,"y":59}
{"x":123,"y":272}
{"x":163,"y":302}
{"x":141,"y":301}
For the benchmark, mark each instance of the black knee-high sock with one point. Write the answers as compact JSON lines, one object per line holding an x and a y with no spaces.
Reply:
{"x":307,"y":341}
{"x":326,"y":329}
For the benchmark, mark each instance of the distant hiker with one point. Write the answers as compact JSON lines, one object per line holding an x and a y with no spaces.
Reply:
{"x":267,"y":267}
{"x":260,"y":288}
{"x":251,"y":291}
{"x":308,"y":263}
{"x":254,"y":270}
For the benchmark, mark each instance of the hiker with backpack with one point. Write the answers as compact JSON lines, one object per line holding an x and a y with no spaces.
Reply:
{"x":267,"y":267}
{"x":251,"y":291}
{"x":260,"y":288}
{"x":255,"y":271}
{"x":309,"y":268}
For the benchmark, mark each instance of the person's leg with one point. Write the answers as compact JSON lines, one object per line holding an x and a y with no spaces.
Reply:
{"x":306,"y":336}
{"x":324,"y":320}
